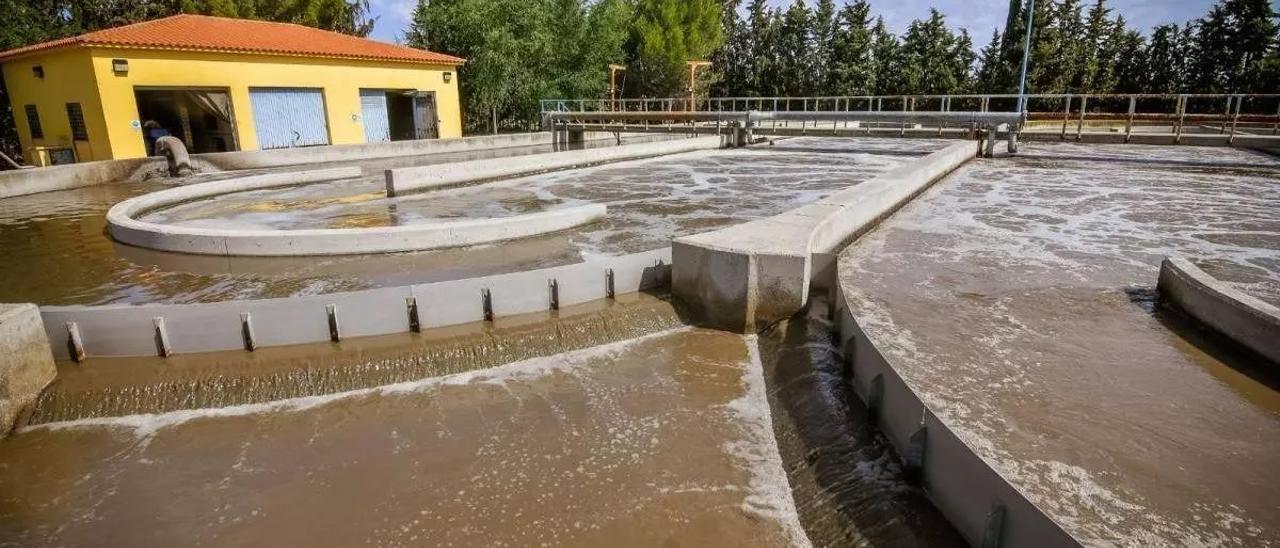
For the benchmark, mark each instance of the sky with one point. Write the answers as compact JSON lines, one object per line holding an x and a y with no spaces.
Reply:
{"x":979,"y":16}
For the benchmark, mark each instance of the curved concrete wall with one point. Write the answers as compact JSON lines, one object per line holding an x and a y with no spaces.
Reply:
{"x":125,"y":228}
{"x":1243,"y":318}
{"x":411,"y":179}
{"x":982,"y":504}
{"x":148,"y":330}
{"x":759,"y":272}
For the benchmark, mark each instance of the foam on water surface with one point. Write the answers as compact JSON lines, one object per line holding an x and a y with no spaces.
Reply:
{"x":660,"y":439}
{"x":1017,"y":297}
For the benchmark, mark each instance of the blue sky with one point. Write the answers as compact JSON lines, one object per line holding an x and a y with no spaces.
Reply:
{"x":979,"y":16}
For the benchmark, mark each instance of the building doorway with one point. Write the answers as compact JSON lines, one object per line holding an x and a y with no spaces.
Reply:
{"x":201,"y":117}
{"x":398,"y":115}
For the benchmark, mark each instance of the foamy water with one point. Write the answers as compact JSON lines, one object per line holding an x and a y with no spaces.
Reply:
{"x":659,"y":439}
{"x":1017,"y":297}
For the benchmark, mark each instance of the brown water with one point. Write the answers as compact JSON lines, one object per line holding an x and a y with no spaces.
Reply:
{"x":1017,"y":297}
{"x":109,"y":387}
{"x":57,"y":253}
{"x":658,"y":440}
{"x":847,"y":482}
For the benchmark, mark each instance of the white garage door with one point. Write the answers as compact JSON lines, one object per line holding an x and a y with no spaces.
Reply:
{"x":289,"y":117}
{"x":373,"y":111}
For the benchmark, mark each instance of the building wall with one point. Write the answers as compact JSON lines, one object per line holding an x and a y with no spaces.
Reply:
{"x":340,"y":79}
{"x":68,"y":78}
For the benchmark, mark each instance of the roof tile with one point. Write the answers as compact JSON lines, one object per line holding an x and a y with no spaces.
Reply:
{"x":207,"y":33}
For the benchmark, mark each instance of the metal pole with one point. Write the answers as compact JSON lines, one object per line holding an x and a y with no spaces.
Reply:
{"x":1084,"y":100}
{"x":1026,"y":53}
{"x":1128,"y":126}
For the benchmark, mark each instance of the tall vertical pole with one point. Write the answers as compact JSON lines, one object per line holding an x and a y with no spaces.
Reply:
{"x":1026,"y":54}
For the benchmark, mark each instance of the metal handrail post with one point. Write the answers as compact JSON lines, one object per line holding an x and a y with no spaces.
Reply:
{"x":1235,"y":119}
{"x":1066,"y":117}
{"x":1128,"y":126}
{"x":1182,"y":114}
{"x":1084,"y":101}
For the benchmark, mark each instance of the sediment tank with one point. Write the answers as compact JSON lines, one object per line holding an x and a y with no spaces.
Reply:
{"x":988,"y":364}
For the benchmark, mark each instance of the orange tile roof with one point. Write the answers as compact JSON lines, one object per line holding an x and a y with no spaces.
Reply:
{"x":205,"y":33}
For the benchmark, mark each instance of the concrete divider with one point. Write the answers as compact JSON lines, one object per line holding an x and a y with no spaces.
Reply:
{"x":412,"y":179}
{"x":124,"y":227}
{"x":985,"y":508}
{"x":758,"y":272}
{"x":133,"y":330}
{"x":26,"y":365}
{"x":1245,"y":319}
{"x":20,"y":182}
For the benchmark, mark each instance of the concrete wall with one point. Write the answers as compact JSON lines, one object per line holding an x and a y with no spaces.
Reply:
{"x":758,"y":272}
{"x":131,"y":330}
{"x":1253,"y":323}
{"x":982,"y":504}
{"x":124,"y":227}
{"x":26,"y":365}
{"x":410,"y":179}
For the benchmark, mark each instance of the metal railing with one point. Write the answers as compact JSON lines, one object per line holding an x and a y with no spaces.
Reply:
{"x":1064,"y":113}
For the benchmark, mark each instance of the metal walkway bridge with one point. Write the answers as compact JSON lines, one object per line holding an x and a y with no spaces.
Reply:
{"x":1198,"y":119}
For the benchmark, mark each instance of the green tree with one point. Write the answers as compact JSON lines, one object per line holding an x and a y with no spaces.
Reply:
{"x":1166,"y":60}
{"x":852,"y":66}
{"x":886,"y":56}
{"x":794,"y":45}
{"x":665,"y":35}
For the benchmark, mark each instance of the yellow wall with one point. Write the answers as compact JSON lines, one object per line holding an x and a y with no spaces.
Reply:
{"x":68,"y":78}
{"x":86,"y":76}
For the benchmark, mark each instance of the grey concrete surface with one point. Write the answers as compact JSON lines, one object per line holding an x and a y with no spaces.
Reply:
{"x":20,"y":182}
{"x":1243,"y":318}
{"x":124,"y":226}
{"x":758,"y":272}
{"x":26,"y":363}
{"x":411,"y":179}
{"x":129,"y":330}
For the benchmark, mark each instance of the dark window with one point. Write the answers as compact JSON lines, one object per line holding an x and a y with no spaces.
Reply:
{"x":33,"y":122}
{"x":76,"y":116}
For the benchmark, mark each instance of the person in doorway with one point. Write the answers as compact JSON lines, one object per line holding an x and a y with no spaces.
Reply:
{"x":151,"y":131}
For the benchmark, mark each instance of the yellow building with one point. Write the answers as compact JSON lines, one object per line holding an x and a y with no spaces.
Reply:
{"x":220,"y":85}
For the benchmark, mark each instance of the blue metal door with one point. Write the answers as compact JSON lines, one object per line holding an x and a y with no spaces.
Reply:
{"x":373,"y":112}
{"x":289,"y":117}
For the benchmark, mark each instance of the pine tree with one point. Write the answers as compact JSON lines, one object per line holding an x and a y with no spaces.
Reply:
{"x":794,"y":41}
{"x":820,"y":52}
{"x":890,"y":77}
{"x":852,"y":65}
{"x":665,"y":35}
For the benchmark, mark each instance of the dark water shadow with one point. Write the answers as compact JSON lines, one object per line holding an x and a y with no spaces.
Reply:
{"x":1214,"y":344}
{"x":845,"y":477}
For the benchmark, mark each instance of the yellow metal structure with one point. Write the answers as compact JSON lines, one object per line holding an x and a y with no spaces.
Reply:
{"x":86,"y":76}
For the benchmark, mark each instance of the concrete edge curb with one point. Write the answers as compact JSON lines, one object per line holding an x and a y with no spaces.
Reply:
{"x":758,"y":272}
{"x":406,"y":180}
{"x":1245,"y":319}
{"x":78,"y":332}
{"x":125,"y":228}
{"x":982,"y":504}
